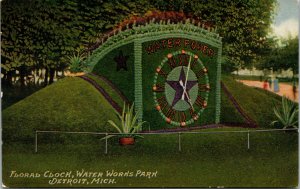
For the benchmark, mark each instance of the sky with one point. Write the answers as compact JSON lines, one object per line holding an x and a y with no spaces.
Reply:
{"x":287,"y":18}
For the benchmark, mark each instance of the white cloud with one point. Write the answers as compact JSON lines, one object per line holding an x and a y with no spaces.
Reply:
{"x":286,"y":28}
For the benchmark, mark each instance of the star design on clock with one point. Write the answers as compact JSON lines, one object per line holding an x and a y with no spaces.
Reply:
{"x":121,"y":61}
{"x":181,"y":88}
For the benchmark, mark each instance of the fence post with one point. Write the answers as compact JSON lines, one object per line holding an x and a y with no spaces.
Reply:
{"x":248,"y":140}
{"x":106,"y":143}
{"x":179,"y":142}
{"x":36,"y":142}
{"x":148,"y":126}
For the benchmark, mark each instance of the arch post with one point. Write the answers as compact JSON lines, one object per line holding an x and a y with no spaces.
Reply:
{"x":138,"y":79}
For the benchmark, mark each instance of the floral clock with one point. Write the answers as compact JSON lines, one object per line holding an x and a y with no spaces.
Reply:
{"x":181,"y":88}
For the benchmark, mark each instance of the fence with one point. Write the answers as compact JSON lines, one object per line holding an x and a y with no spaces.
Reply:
{"x":162,"y":133}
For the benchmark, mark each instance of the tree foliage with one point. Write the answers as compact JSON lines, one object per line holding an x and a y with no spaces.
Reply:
{"x":33,"y":35}
{"x":42,"y":34}
{"x":288,"y":55}
{"x":243,"y":25}
{"x":281,"y":55}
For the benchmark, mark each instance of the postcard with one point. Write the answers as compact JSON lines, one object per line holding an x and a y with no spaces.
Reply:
{"x":149,"y":94}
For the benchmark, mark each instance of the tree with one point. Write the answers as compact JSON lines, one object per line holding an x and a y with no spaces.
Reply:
{"x":281,"y":55}
{"x":41,"y":34}
{"x":288,"y":55}
{"x":33,"y":38}
{"x":243,"y":24}
{"x":268,"y":55}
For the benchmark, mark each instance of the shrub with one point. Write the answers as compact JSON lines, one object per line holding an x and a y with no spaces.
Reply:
{"x":128,"y":124}
{"x":76,"y":63}
{"x":287,"y":115}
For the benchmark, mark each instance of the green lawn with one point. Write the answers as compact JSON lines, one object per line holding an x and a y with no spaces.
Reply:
{"x":72,"y":104}
{"x":257,"y":104}
{"x":205,"y":160}
{"x":108,"y":89}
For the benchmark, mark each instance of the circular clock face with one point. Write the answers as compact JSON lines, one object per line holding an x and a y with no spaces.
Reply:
{"x":181,"y":88}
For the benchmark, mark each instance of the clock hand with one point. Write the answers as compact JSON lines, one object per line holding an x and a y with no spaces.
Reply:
{"x":181,"y":83}
{"x":187,"y":73}
{"x":189,"y":101}
{"x":186,"y":78}
{"x":184,"y":89}
{"x":187,"y":95}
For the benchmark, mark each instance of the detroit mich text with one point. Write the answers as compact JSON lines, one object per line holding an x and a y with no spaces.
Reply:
{"x":84,"y":177}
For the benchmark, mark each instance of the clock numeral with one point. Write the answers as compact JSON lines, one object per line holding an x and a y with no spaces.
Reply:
{"x":204,"y":87}
{"x":158,"y":88}
{"x":171,"y":113}
{"x":201,"y":72}
{"x":161,"y":72}
{"x":162,"y":101}
{"x":182,"y":117}
{"x":200,"y":101}
{"x":194,"y":63}
{"x":193,"y":114}
{"x":171,"y":61}
{"x":183,"y":59}
{"x":192,"y":111}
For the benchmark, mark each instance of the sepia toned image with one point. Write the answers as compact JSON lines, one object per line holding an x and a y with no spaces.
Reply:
{"x":149,"y":93}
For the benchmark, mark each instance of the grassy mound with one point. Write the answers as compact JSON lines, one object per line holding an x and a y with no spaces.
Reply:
{"x":11,"y":95}
{"x":229,"y":114}
{"x":112,"y":93}
{"x":71,"y":104}
{"x":258,"y":104}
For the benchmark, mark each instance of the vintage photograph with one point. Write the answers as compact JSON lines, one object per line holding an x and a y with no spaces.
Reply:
{"x":149,"y":93}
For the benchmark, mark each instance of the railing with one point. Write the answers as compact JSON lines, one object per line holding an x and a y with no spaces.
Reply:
{"x":163,"y":133}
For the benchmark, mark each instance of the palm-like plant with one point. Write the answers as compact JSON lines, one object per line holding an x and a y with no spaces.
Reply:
{"x":287,"y":115}
{"x":128,"y":124}
{"x":76,"y":62}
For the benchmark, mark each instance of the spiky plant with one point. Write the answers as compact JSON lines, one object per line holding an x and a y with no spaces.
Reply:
{"x":76,"y":63}
{"x":287,"y":115}
{"x":128,"y":124}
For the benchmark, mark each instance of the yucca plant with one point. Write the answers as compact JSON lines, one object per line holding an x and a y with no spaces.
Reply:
{"x":287,"y":115}
{"x":76,"y":63}
{"x":128,"y":124}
